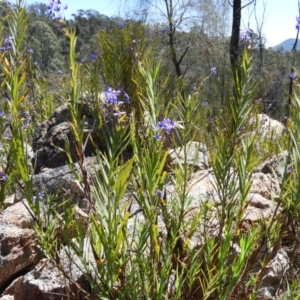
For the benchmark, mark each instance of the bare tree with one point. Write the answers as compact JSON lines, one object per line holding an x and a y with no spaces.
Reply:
{"x":177,"y":15}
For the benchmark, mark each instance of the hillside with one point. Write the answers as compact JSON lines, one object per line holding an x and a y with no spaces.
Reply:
{"x":287,"y":45}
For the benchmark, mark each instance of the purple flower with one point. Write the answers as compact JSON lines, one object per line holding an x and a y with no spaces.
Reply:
{"x":5,"y":48}
{"x":213,"y":70}
{"x":159,"y":193}
{"x":112,"y":96}
{"x":7,"y":40}
{"x":30,"y":51}
{"x":7,"y":43}
{"x":293,"y":75}
{"x":25,"y":126}
{"x":55,"y":9}
{"x":246,"y":36}
{"x":3,"y":177}
{"x":2,"y":114}
{"x":92,"y":56}
{"x":40,"y":196}
{"x":167,"y":125}
{"x":164,"y":126}
{"x":7,"y":134}
{"x":121,"y":25}
{"x":158,"y":137}
{"x":164,"y":30}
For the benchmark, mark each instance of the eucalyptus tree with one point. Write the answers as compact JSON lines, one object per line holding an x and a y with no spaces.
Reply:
{"x":44,"y":43}
{"x":237,"y":6}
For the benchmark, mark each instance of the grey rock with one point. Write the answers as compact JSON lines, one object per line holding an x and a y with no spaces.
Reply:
{"x":275,"y":166}
{"x":266,"y":127}
{"x":8,"y":201}
{"x":43,"y":282}
{"x":197,"y":156}
{"x":53,"y":135}
{"x":63,"y":182}
{"x":18,"y":251}
{"x":19,"y":215}
{"x":275,"y":275}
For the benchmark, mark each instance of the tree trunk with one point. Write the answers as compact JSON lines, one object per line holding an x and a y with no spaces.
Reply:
{"x":235,"y":34}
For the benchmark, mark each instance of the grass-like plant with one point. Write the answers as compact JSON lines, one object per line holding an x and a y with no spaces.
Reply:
{"x":138,"y":238}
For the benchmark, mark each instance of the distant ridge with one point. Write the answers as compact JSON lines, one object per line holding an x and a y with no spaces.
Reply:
{"x":287,"y":45}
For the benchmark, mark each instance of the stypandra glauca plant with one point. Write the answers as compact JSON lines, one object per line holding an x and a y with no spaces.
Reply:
{"x":16,"y":91}
{"x":142,"y":236}
{"x":288,"y":220}
{"x":236,"y":258}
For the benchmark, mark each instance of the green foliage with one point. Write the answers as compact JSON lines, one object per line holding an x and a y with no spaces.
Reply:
{"x":137,"y":240}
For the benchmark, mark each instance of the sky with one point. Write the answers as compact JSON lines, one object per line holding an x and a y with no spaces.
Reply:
{"x":279,"y":16}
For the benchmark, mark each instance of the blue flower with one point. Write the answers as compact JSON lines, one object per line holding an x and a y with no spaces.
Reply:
{"x":159,"y":193}
{"x":293,"y":75}
{"x":167,"y":125}
{"x":246,"y":36}
{"x":25,"y":126}
{"x":40,"y":196}
{"x":7,"y":134}
{"x":213,"y":70}
{"x":92,"y":56}
{"x":112,"y":96}
{"x":164,"y":126}
{"x":3,"y":177}
{"x":7,"y":40}
{"x":7,"y":43}
{"x":158,"y":137}
{"x":55,"y":9}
